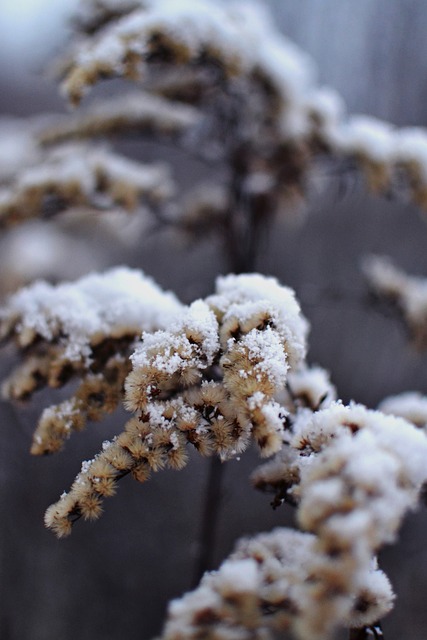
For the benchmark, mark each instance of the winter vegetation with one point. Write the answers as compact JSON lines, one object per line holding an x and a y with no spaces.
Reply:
{"x":230,"y":370}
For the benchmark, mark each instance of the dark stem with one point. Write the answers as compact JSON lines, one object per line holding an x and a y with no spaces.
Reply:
{"x":242,"y":228}
{"x":211,"y":508}
{"x":240,"y":242}
{"x":213,"y":491}
{"x":245,"y":224}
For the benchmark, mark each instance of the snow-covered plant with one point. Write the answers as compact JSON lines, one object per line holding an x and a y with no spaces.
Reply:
{"x":408,"y":294}
{"x":216,"y":80}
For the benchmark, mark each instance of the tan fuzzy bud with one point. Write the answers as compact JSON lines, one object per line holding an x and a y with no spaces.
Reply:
{"x":138,"y":449}
{"x":105,"y":487}
{"x":61,"y":526}
{"x":177,"y":457}
{"x":136,"y":428}
{"x":222,"y":436}
{"x":156,"y":458}
{"x":118,"y":457}
{"x":58,"y":515}
{"x":81,"y":487}
{"x":190,"y":376}
{"x":141,"y":472}
{"x":98,"y":397}
{"x":101,"y":468}
{"x":90,"y":506}
{"x":268,"y":440}
{"x":201,"y":441}
{"x":55,"y":427}
{"x":213,"y":393}
{"x":138,"y":392}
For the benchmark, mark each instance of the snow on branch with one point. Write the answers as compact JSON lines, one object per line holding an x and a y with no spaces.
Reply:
{"x":140,"y":112}
{"x":208,"y":379}
{"x":217,"y":374}
{"x":263,"y":588}
{"x":220,"y":81}
{"x":408,"y":293}
{"x":238,"y":37}
{"x":77,"y":176}
{"x":84,"y":329}
{"x":274,"y":83}
{"x":230,"y":369}
{"x":212,"y":378}
{"x":410,"y":405}
{"x":353,"y":474}
{"x":387,"y":155}
{"x":95,"y":14}
{"x":18,"y":146}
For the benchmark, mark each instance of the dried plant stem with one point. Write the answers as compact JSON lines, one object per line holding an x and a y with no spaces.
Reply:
{"x":209,"y":522}
{"x":241,"y":241}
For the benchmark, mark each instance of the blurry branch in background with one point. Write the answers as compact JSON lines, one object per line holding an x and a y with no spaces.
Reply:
{"x":77,"y":176}
{"x":407,"y":294}
{"x":220,"y":83}
{"x":134,"y":113}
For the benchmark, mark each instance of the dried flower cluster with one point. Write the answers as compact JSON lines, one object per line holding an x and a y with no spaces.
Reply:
{"x":77,"y":176}
{"x":353,"y":473}
{"x":217,"y":80}
{"x":222,"y":372}
{"x":79,"y":330}
{"x":264,"y":587}
{"x":287,"y":111}
{"x":209,"y":379}
{"x":410,"y":405}
{"x":407,"y":293}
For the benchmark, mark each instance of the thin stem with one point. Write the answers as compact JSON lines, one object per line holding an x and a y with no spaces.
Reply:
{"x":211,"y":508}
{"x":242,"y":233}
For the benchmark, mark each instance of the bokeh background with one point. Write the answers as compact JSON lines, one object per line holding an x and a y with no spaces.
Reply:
{"x":112,"y":579}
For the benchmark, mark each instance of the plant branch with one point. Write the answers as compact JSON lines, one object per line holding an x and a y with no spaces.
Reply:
{"x":209,"y":522}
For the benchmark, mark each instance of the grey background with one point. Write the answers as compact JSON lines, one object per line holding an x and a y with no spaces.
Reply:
{"x":112,"y":579}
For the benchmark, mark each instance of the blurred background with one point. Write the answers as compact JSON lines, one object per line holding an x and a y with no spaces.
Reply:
{"x":112,"y":579}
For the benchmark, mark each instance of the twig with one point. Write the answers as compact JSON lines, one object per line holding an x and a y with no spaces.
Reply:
{"x":211,"y":508}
